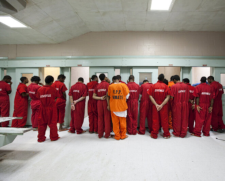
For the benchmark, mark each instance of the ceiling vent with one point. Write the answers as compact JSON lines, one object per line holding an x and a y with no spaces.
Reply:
{"x":12,"y":6}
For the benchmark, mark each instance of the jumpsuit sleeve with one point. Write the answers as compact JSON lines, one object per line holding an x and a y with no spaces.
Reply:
{"x":38,"y":94}
{"x":85,"y":92}
{"x":70,"y":92}
{"x":141,"y":90}
{"x":168,"y":92}
{"x":8,"y":88}
{"x":150,"y":91}
{"x":64,"y":88}
{"x":22,"y":89}
{"x":109,"y":91}
{"x":172,"y":91}
{"x":126,"y":90}
{"x":196,"y":92}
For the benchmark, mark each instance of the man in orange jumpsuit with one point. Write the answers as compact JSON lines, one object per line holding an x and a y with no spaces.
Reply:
{"x":21,"y":104}
{"x":48,"y":110}
{"x":35,"y":102}
{"x":104,"y":119}
{"x":180,"y":94}
{"x":217,"y":112}
{"x":5,"y":90}
{"x":160,"y":94}
{"x":92,"y":105}
{"x":77,"y":93}
{"x":61,"y":101}
{"x":132,"y":102}
{"x":117,"y":95}
{"x":191,"y":105}
{"x":204,"y":102}
{"x":170,"y":104}
{"x":145,"y":108}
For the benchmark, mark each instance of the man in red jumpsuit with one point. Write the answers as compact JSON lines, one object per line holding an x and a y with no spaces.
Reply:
{"x":92,"y":105}
{"x":160,"y":94}
{"x":48,"y":110}
{"x":21,"y":104}
{"x":217,"y":112}
{"x":35,"y":102}
{"x":77,"y":93}
{"x":104,"y":119}
{"x":5,"y":90}
{"x":180,"y":94}
{"x":132,"y":103}
{"x":145,"y":108}
{"x":61,"y":101}
{"x":204,"y":102}
{"x":191,"y":105}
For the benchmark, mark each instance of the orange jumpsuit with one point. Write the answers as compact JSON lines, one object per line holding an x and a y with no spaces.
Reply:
{"x":170,"y":84}
{"x":117,"y":94}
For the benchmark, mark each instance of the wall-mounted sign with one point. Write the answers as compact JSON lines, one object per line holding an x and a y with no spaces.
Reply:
{"x":204,"y":65}
{"x":79,"y":65}
{"x":47,"y":65}
{"x":170,"y":65}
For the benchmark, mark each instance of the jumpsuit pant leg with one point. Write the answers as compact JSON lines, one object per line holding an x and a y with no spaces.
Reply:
{"x":207,"y":123}
{"x":143,"y":115}
{"x":164,"y":120}
{"x":95,"y":113}
{"x":52,"y":123}
{"x":191,"y":118}
{"x":184,"y":119}
{"x":200,"y":119}
{"x":79,"y":116}
{"x":155,"y":122}
{"x":134,"y":116}
{"x":177,"y":119}
{"x":149,"y":117}
{"x":107,"y":120}
{"x":4,"y":112}
{"x":72,"y":128}
{"x":91,"y":117}
{"x":42,"y":125}
{"x":100,"y":119}
{"x":116,"y":126}
{"x":129,"y":117}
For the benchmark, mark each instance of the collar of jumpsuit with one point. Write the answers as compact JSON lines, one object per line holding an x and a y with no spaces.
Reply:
{"x":160,"y":81}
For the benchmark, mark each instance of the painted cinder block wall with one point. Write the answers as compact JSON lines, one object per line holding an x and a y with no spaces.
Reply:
{"x":126,"y":44}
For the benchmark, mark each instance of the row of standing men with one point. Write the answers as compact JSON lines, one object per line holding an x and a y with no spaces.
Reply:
{"x":175,"y":106}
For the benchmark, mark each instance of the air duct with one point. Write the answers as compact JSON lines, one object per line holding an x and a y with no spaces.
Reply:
{"x":18,"y":4}
{"x":6,"y":7}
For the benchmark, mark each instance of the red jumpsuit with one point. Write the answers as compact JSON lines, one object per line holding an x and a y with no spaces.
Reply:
{"x":35,"y":103}
{"x":48,"y":113}
{"x":92,"y":107}
{"x":61,"y":101}
{"x":4,"y":102}
{"x":180,"y":93}
{"x":191,"y":119}
{"x":145,"y":108}
{"x":132,"y":111}
{"x":203,"y":119}
{"x":78,"y":90}
{"x":20,"y":106}
{"x":159,"y":92}
{"x":217,"y":113}
{"x":104,"y":118}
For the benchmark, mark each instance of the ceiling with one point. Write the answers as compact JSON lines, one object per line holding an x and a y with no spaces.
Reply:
{"x":55,"y":21}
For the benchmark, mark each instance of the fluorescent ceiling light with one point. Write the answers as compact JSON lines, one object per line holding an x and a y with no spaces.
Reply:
{"x":11,"y":22}
{"x":161,"y":5}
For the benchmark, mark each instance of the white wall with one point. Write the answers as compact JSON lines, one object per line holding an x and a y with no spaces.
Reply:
{"x":198,"y":72}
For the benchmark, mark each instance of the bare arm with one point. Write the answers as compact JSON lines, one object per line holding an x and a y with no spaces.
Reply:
{"x":72,"y":104}
{"x":98,"y":98}
{"x":25,"y":94}
{"x":108,"y":103}
{"x":78,"y":100}
{"x":64,"y":95}
{"x":166,"y":100}
{"x":197,"y":103}
{"x":153,"y":101}
{"x":211,"y":106}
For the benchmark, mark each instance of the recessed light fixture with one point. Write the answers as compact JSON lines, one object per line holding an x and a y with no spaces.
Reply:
{"x":161,"y":5}
{"x":11,"y":22}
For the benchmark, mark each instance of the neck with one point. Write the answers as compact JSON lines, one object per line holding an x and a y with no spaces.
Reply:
{"x":117,"y":81}
{"x":80,"y":82}
{"x":131,"y":80}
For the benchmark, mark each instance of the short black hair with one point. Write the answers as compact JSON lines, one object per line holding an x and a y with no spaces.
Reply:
{"x":7,"y":77}
{"x":119,"y":77}
{"x":81,"y":79}
{"x":165,"y":81}
{"x":186,"y":80}
{"x":61,"y":76}
{"x":22,"y":79}
{"x":145,"y":81}
{"x":161,"y":77}
{"x":115,"y":77}
{"x":171,"y":78}
{"x":131,"y":77}
{"x":49,"y":79}
{"x":211,"y":77}
{"x":35,"y":79}
{"x":176,"y":77}
{"x":102,"y":77}
{"x":203,"y":80}
{"x":94,"y":77}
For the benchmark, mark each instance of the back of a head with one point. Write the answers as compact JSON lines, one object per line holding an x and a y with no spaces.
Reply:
{"x":102,"y":77}
{"x":165,"y":81}
{"x":186,"y":80}
{"x":161,"y":77}
{"x":176,"y":77}
{"x":119,"y":77}
{"x":145,"y":81}
{"x":49,"y":79}
{"x":94,"y":77}
{"x":203,"y":80}
{"x":22,"y":79}
{"x":116,"y":78}
{"x":35,"y":79}
{"x":131,"y":77}
{"x":211,"y":78}
{"x":61,"y":76}
{"x":81,"y":79}
{"x":171,"y":78}
{"x":7,"y":77}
